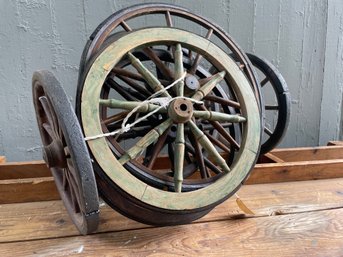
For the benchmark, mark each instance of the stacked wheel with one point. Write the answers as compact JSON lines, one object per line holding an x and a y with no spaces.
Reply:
{"x":172,"y":118}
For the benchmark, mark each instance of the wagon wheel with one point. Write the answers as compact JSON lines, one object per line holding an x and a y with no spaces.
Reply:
{"x":280,"y":109}
{"x":128,"y":193}
{"x":65,"y":152}
{"x":122,"y":85}
{"x":167,"y":15}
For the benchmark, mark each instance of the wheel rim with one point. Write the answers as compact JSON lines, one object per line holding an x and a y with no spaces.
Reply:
{"x":277,"y":108}
{"x":103,"y":155}
{"x":121,"y":18}
{"x":158,"y":179}
{"x":65,"y":152}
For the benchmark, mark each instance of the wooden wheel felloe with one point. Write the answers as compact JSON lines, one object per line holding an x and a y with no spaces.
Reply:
{"x":166,"y":15}
{"x":279,"y":105}
{"x":65,"y":152}
{"x":118,"y":164}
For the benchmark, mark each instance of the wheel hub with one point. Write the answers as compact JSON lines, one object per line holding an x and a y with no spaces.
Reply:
{"x":54,"y":156}
{"x":180,"y":110}
{"x":191,"y":84}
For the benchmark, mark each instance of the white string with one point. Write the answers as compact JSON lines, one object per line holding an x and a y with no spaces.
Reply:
{"x":153,"y":99}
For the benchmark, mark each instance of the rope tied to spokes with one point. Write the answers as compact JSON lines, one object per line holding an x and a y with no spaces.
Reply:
{"x":163,"y":102}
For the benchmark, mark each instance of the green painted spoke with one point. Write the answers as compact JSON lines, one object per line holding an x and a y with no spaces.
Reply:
{"x":129,"y":105}
{"x":145,"y":141}
{"x":152,"y":81}
{"x":218,"y":116}
{"x":208,"y":146}
{"x":208,"y":86}
{"x":179,"y":157}
{"x":179,"y":69}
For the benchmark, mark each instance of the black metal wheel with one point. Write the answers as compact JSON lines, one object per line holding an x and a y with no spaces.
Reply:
{"x":277,"y":102}
{"x":107,"y":95}
{"x":65,"y":151}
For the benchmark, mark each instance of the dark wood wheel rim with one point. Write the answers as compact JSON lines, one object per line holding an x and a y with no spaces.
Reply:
{"x":75,"y":180}
{"x":280,"y":89}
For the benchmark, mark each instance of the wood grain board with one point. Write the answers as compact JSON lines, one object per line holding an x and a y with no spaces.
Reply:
{"x":48,"y":219}
{"x":299,"y":218}
{"x":292,"y":219}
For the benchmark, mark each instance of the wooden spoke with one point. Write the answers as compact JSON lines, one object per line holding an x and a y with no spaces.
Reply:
{"x":208,"y":86}
{"x":114,"y":118}
{"x":268,"y":131}
{"x":208,"y":146}
{"x":48,"y":129}
{"x":135,"y":86}
{"x":159,"y":64}
{"x":223,"y":101}
{"x":207,"y":162}
{"x":145,"y":141}
{"x":146,"y":123}
{"x":179,"y":69}
{"x":171,"y":154}
{"x":218,"y":116}
{"x":128,"y":74}
{"x":120,"y":89}
{"x":169,"y":20}
{"x":222,"y":131}
{"x":152,"y":81}
{"x":190,"y":54}
{"x":198,"y":57}
{"x":157,"y":149}
{"x":199,"y":156}
{"x":179,"y":157}
{"x":125,"y":26}
{"x":133,"y":133}
{"x":264,"y":82}
{"x":217,"y":142}
{"x":271,"y":107}
{"x":51,"y":118}
{"x":128,"y":105}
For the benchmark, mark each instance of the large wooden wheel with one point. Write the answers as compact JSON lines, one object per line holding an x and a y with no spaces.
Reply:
{"x":117,"y":157}
{"x":157,"y":14}
{"x":277,"y":104}
{"x":65,"y":152}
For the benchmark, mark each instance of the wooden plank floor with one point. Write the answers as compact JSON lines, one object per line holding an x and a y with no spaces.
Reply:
{"x":292,"y":219}
{"x":299,"y":217}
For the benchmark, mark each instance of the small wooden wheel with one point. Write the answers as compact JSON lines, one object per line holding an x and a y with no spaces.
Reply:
{"x":65,"y":152}
{"x":277,"y":103}
{"x":118,"y":162}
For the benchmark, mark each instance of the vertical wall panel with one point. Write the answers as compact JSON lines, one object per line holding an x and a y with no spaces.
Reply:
{"x":332,"y":93}
{"x":302,"y":38}
{"x":301,"y":60}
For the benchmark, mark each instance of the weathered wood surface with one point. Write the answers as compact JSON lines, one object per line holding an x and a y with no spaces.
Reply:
{"x":309,"y":153}
{"x":32,"y":181}
{"x":39,"y":220}
{"x":2,"y":159}
{"x":28,"y":190}
{"x":296,"y":171}
{"x":304,"y":234}
{"x":335,"y":143}
{"x":32,"y":169}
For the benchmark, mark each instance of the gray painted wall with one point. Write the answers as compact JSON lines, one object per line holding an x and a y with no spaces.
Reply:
{"x":303,"y":38}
